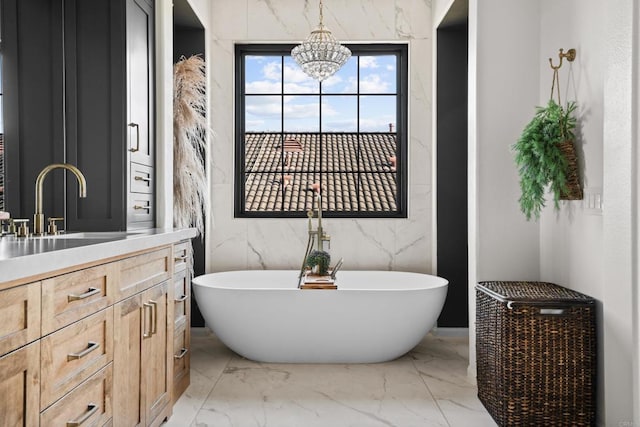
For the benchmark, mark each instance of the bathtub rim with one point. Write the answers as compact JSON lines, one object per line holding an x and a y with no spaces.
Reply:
{"x":436,"y":281}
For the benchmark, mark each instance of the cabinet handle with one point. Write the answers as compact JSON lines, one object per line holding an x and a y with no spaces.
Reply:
{"x":183,"y":352}
{"x":146,"y":334}
{"x":147,"y":207}
{"x":181,"y":299}
{"x":154,"y":317}
{"x":135,"y":125}
{"x":141,"y":178}
{"x":92,"y":346}
{"x":90,"y":292}
{"x":91,"y":409}
{"x":182,"y":258}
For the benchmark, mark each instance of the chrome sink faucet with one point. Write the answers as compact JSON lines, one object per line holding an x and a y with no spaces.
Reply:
{"x":38,"y":217}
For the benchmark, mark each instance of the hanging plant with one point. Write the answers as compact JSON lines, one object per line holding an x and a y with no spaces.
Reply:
{"x":541,"y":158}
{"x":189,"y":143}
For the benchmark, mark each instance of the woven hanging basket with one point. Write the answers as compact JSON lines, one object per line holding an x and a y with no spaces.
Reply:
{"x":574,"y":189}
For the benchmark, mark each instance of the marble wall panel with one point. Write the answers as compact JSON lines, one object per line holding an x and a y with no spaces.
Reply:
{"x":364,"y":243}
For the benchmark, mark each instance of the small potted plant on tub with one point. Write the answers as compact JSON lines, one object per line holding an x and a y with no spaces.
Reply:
{"x":318,"y":262}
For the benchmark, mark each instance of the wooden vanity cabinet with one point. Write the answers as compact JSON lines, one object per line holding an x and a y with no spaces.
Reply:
{"x":20,"y":387}
{"x":141,"y":377}
{"x":20,"y":316}
{"x":99,"y":347}
{"x":181,"y":318}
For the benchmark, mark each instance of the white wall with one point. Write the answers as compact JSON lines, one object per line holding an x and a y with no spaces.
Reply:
{"x":582,"y":247}
{"x":586,"y":249}
{"x":503,"y":89}
{"x":164,"y":114}
{"x":571,"y":239}
{"x":403,"y":244}
{"x":164,"y":104}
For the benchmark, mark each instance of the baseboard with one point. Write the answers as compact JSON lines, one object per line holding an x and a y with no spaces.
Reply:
{"x":450,"y":332}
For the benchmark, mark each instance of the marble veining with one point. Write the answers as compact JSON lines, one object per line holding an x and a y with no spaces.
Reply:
{"x":363,"y":243}
{"x":427,"y":387}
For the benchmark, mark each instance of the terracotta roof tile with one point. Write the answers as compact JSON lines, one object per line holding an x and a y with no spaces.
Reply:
{"x":355,"y":171}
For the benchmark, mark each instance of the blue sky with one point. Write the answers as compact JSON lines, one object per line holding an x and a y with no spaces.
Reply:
{"x":301,"y":108}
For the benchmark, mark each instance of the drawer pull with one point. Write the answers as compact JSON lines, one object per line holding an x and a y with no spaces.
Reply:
{"x":146,"y":334}
{"x":135,"y":125}
{"x":141,"y":178}
{"x":92,"y":408}
{"x":183,"y":352}
{"x":181,"y":258}
{"x":92,"y":346}
{"x":182,"y":298}
{"x":90,"y":292}
{"x":154,"y":317}
{"x":146,"y":207}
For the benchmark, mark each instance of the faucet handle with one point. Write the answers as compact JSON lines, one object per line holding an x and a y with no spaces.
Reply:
{"x":23,"y":228}
{"x":53,"y":228}
{"x":11,"y":226}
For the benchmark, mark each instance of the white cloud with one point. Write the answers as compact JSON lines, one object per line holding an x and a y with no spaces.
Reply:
{"x":351,"y":86}
{"x":263,"y":86}
{"x":254,"y":124}
{"x":373,"y":83}
{"x":293,"y":73}
{"x":332,"y":81}
{"x":377,"y":124}
{"x":391,"y":67}
{"x":272,"y":70}
{"x":300,"y":88}
{"x":344,"y":125}
{"x":264,"y":106}
{"x":300,"y":111}
{"x":368,"y":62}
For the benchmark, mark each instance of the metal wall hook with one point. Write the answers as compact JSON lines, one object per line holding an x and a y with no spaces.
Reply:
{"x":570,"y":55}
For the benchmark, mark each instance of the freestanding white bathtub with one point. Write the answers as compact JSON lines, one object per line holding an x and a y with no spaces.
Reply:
{"x":373,"y":316}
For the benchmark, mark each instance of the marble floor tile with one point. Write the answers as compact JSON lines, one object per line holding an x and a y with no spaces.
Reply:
{"x":388,"y":394}
{"x":187,"y":407}
{"x":427,"y":387}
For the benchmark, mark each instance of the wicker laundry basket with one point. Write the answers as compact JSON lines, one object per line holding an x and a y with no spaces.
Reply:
{"x":536,"y":354}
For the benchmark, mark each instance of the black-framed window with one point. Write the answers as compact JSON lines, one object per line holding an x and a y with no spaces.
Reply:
{"x":347,"y":134}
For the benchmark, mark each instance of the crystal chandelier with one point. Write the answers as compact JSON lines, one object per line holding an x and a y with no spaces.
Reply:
{"x":320,"y":55}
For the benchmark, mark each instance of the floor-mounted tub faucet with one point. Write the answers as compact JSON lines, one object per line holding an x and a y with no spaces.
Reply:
{"x":317,"y":236}
{"x":38,"y":217}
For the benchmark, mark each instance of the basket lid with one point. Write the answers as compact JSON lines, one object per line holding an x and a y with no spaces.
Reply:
{"x":538,"y":293}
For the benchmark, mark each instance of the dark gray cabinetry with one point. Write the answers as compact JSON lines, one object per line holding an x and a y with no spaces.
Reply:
{"x":140,"y":114}
{"x":79,"y":85}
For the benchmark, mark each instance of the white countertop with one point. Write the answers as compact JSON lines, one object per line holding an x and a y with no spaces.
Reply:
{"x":25,"y":257}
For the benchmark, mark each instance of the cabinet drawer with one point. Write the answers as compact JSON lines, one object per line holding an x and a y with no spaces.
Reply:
{"x":141,"y":178}
{"x":73,"y":354}
{"x":19,"y":316}
{"x":182,"y":297}
{"x":87,"y":405}
{"x":181,"y":256}
{"x":143,"y":271}
{"x":70,"y":297}
{"x":141,"y":208}
{"x":19,"y":378}
{"x":181,"y":359}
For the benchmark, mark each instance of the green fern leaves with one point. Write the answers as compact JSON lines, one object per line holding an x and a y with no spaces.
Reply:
{"x":539,"y":158}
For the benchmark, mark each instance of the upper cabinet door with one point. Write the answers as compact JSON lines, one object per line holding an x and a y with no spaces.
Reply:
{"x":140,"y":63}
